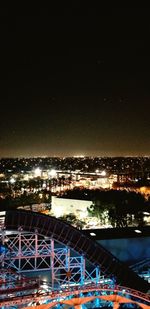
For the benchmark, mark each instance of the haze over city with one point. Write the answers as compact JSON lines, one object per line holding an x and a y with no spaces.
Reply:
{"x":77,"y":82}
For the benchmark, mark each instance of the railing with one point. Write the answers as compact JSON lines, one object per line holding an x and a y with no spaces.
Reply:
{"x":77,"y":290}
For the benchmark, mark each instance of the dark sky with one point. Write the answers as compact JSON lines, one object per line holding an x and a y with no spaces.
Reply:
{"x":75,"y":80}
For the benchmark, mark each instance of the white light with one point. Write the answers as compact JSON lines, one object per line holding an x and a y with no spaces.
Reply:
{"x":103,"y":173}
{"x":58,"y":211}
{"x":146,"y":213}
{"x":37,"y":172}
{"x":52,"y":173}
{"x":44,"y":285}
{"x":6,"y":239}
{"x":12,"y":180}
{"x":92,"y":234}
{"x":79,"y":156}
{"x":137,"y":231}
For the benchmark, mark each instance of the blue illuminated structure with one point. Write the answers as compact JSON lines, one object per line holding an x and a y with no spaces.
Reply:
{"x":73,"y":260}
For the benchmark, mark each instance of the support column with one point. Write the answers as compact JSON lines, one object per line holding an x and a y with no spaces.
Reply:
{"x":19,"y":250}
{"x":36,"y":249}
{"x":68,"y":273}
{"x":3,"y":243}
{"x":97,"y":275}
{"x":116,"y":305}
{"x":2,"y":259}
{"x":52,"y":263}
{"x":82,"y":270}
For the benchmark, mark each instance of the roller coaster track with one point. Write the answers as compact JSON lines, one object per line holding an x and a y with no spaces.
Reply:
{"x":140,"y":265}
{"x":75,"y":239}
{"x":116,"y":294}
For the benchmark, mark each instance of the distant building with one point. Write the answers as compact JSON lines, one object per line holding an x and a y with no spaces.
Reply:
{"x":64,"y":206}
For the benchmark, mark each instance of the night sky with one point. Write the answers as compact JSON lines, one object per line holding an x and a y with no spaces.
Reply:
{"x":75,"y":80}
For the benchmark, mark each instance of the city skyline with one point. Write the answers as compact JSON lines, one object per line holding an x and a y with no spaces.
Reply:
{"x":78,"y":82}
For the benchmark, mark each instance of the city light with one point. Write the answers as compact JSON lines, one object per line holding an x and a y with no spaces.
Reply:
{"x":92,"y":234}
{"x":137,"y":231}
{"x":52,"y":173}
{"x":37,"y":172}
{"x":12,"y":180}
{"x":103,"y":173}
{"x":79,"y":156}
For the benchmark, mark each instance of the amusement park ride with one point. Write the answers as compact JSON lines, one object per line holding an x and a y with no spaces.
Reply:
{"x":80,"y":271}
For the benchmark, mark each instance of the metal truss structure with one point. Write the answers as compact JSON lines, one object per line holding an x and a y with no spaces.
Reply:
{"x":75,"y":239}
{"x":97,"y":295}
{"x":142,"y":268}
{"x":76,"y":265}
{"x":13,"y":284}
{"x":30,"y":252}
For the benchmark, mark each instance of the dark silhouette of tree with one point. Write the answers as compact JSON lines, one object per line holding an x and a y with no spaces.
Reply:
{"x":122,"y":206}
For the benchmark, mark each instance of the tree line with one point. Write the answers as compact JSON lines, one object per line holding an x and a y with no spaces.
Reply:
{"x":120,"y":208}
